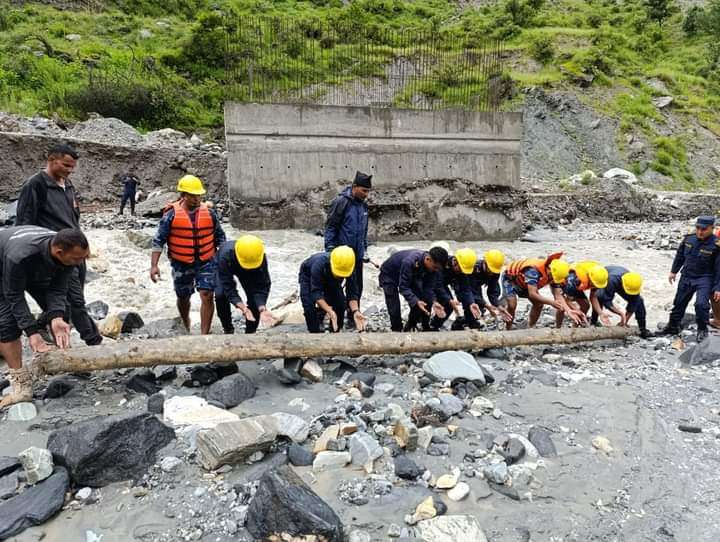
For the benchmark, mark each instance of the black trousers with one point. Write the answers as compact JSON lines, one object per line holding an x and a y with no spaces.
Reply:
{"x":416,"y":316}
{"x":314,"y":316}
{"x":224,"y":312}
{"x":125,"y":199}
{"x":358,"y":277}
{"x":75,"y":309}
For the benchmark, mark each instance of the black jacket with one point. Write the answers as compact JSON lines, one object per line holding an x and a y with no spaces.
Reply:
{"x":26,"y":264}
{"x":43,"y":203}
{"x":255,"y":282}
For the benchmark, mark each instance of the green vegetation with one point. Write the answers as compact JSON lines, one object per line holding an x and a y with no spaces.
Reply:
{"x":163,"y":64}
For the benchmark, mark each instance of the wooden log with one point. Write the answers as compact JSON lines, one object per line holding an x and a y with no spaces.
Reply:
{"x":229,"y":348}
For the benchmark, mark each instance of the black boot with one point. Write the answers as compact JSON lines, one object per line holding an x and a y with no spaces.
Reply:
{"x":669,"y":330}
{"x":645,"y":333}
{"x":702,"y":334}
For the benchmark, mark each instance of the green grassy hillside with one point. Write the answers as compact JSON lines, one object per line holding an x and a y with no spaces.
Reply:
{"x":157,"y":64}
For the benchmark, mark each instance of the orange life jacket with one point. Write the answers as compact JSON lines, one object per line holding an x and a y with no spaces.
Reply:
{"x":188,"y":241}
{"x":515,"y":270}
{"x":582,"y":272}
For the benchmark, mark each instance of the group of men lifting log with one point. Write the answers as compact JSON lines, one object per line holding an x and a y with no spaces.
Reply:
{"x":44,"y":255}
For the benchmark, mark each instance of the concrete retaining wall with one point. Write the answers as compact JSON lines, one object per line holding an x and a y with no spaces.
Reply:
{"x":279,"y":153}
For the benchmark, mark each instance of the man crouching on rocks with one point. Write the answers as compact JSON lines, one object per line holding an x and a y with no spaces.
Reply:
{"x":40,"y":262}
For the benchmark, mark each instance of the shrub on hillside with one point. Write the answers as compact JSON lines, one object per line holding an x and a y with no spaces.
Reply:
{"x":542,"y":49}
{"x":693,"y":22}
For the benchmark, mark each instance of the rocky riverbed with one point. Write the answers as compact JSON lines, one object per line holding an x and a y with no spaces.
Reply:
{"x":605,"y":441}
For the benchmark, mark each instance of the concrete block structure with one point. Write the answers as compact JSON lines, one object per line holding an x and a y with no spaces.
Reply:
{"x":444,"y":174}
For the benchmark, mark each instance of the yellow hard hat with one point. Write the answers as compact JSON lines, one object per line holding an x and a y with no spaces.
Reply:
{"x":466,"y":259}
{"x":249,"y":251}
{"x":342,"y":261}
{"x":598,"y":276}
{"x":559,"y":269}
{"x":191,"y":185}
{"x":494,"y":259}
{"x":632,"y":283}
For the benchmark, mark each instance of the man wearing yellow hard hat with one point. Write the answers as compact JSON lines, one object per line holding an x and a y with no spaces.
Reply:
{"x":193,"y":233}
{"x":322,"y":277}
{"x":245,"y":260}
{"x":485,"y":273}
{"x":525,"y":278}
{"x":584,"y":277}
{"x":627,"y":285}
{"x":454,"y":287}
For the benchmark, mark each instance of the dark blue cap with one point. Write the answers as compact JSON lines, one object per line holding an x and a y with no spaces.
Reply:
{"x":705,"y":221}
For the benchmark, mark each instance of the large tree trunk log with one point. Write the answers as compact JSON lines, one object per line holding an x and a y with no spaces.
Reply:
{"x":229,"y":348}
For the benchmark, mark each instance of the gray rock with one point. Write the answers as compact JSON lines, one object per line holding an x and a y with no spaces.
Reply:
{"x":234,"y":442}
{"x":109,"y":449}
{"x":450,"y":529}
{"x":231,"y":390}
{"x":143,"y":381}
{"x":331,"y":460}
{"x":663,"y":101}
{"x":156,"y":403}
{"x":22,"y":412}
{"x":406,"y":468}
{"x":59,"y":386}
{"x":542,"y":440}
{"x":8,"y":485}
{"x":453,"y":365}
{"x":438,"y":449}
{"x":292,"y":427}
{"x":37,"y":462}
{"x":512,"y":450}
{"x":97,"y":309}
{"x":288,"y":370}
{"x":299,"y":456}
{"x":283,"y":503}
{"x":169,"y":463}
{"x":8,"y":464}
{"x":364,"y":449}
{"x":33,"y":506}
{"x":497,"y":473}
{"x":704,"y":353}
{"x":131,"y":321}
{"x":140,"y":239}
{"x":445,"y":406}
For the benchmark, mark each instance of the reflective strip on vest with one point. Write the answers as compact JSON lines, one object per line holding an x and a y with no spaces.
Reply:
{"x":515,"y":271}
{"x":188,"y":241}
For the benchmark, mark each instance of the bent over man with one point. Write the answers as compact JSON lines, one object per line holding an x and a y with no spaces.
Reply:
{"x":627,"y":285}
{"x":245,"y":260}
{"x":321,"y":289}
{"x":525,"y":278}
{"x":416,"y":275}
{"x":40,"y":262}
{"x":192,"y":232}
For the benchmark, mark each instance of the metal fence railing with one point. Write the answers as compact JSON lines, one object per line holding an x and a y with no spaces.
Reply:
{"x":283,"y":61}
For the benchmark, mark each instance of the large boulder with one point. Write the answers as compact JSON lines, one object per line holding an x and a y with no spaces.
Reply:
{"x":109,"y":449}
{"x":283,"y":504}
{"x":703,"y":353}
{"x":454,"y":365}
{"x":234,"y":442}
{"x":35,"y":505}
{"x":232,"y":390}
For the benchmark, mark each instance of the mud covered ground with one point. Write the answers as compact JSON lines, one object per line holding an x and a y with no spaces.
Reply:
{"x":655,"y":484}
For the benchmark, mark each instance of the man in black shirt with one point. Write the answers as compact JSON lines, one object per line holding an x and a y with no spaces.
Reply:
{"x":130,"y":182}
{"x":48,"y":199}
{"x":40,"y":262}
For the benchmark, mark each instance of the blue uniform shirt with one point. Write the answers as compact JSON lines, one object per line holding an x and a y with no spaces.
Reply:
{"x":347,"y":224}
{"x":316,"y":272}
{"x":482,"y":276}
{"x":255,"y":282}
{"x":615,"y":287}
{"x":698,"y":259}
{"x":405,"y":270}
{"x":458,"y":281}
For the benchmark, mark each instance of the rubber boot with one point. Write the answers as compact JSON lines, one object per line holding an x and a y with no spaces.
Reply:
{"x":21,"y":383}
